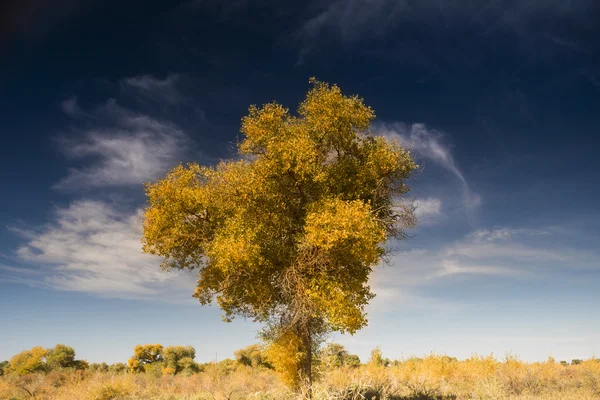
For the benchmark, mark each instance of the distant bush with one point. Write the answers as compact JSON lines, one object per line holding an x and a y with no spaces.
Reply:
{"x":155,"y":369}
{"x":252,"y":356}
{"x":100,"y":367}
{"x":180,"y":359}
{"x":117,"y":368}
{"x":334,"y":355}
{"x":4,"y":367}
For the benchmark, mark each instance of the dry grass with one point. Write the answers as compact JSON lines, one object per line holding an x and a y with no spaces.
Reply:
{"x":433,"y":377}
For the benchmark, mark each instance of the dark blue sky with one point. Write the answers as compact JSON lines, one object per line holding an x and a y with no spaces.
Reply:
{"x":499,"y":101}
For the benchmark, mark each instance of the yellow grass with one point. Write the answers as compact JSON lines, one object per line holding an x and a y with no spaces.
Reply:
{"x":433,"y":377}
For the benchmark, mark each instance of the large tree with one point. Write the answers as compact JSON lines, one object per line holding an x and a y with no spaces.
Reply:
{"x":289,"y":232}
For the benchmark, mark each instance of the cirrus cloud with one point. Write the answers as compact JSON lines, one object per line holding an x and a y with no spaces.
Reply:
{"x":92,"y":246}
{"x":127,"y":148}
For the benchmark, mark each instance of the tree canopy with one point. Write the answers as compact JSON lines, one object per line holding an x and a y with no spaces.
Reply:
{"x":144,"y":355}
{"x":252,"y":356}
{"x":334,"y":355}
{"x":29,"y":361}
{"x":61,"y":356}
{"x":180,"y":358}
{"x":287,"y":234}
{"x":160,"y":360}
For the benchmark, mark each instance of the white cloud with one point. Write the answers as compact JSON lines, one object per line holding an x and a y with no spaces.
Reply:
{"x":428,"y":210}
{"x":450,"y":267}
{"x":93,"y":247}
{"x":507,"y":252}
{"x":428,"y":143}
{"x":155,"y":88}
{"x":499,"y":243}
{"x":505,"y":233}
{"x":127,"y":149}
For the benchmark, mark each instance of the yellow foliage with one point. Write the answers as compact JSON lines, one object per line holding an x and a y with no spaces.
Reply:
{"x":285,"y":354}
{"x":134,"y":365}
{"x":442,"y":377}
{"x":292,"y":231}
{"x":29,"y":361}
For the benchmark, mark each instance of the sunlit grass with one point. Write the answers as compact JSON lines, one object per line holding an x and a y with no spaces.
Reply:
{"x":432,"y":377}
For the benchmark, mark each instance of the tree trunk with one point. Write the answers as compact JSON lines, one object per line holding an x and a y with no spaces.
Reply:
{"x":307,"y":364}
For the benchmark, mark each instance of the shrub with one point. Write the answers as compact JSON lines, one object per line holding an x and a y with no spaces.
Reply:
{"x":117,"y":368}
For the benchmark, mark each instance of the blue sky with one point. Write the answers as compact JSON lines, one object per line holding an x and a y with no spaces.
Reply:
{"x":499,"y":102}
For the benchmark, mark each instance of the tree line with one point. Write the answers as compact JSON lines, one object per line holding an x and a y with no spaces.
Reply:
{"x":157,"y":359}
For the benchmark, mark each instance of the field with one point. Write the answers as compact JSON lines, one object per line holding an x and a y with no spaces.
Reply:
{"x":432,"y":377}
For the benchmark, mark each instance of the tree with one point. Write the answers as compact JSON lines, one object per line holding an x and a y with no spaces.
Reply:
{"x":80,"y":365}
{"x":252,"y":356}
{"x":29,"y":361}
{"x":144,"y":355}
{"x":60,"y":356}
{"x":179,"y":358}
{"x":352,"y":361}
{"x":377,"y":359}
{"x":288,"y":234}
{"x":334,"y":355}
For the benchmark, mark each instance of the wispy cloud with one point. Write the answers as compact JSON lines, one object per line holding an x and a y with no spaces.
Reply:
{"x":159,"y":89}
{"x":429,"y":144}
{"x":352,"y":18}
{"x":126,"y":148}
{"x":499,"y":243}
{"x":358,"y":19}
{"x":456,"y":268}
{"x":428,"y":210}
{"x":507,"y":252}
{"x":71,"y":107}
{"x":93,"y":247}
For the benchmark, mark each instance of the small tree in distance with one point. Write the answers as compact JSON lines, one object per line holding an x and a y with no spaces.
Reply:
{"x":61,"y":356}
{"x":29,"y":361}
{"x":377,"y":359}
{"x":179,"y":358}
{"x":288,"y":234}
{"x":144,"y":355}
{"x":252,"y":356}
{"x":334,"y":355}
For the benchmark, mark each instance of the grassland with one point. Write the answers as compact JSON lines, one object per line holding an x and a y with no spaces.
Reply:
{"x":432,"y":377}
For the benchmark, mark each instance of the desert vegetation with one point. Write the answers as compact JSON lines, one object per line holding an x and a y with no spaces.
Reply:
{"x":287,"y":234}
{"x":170,"y":373}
